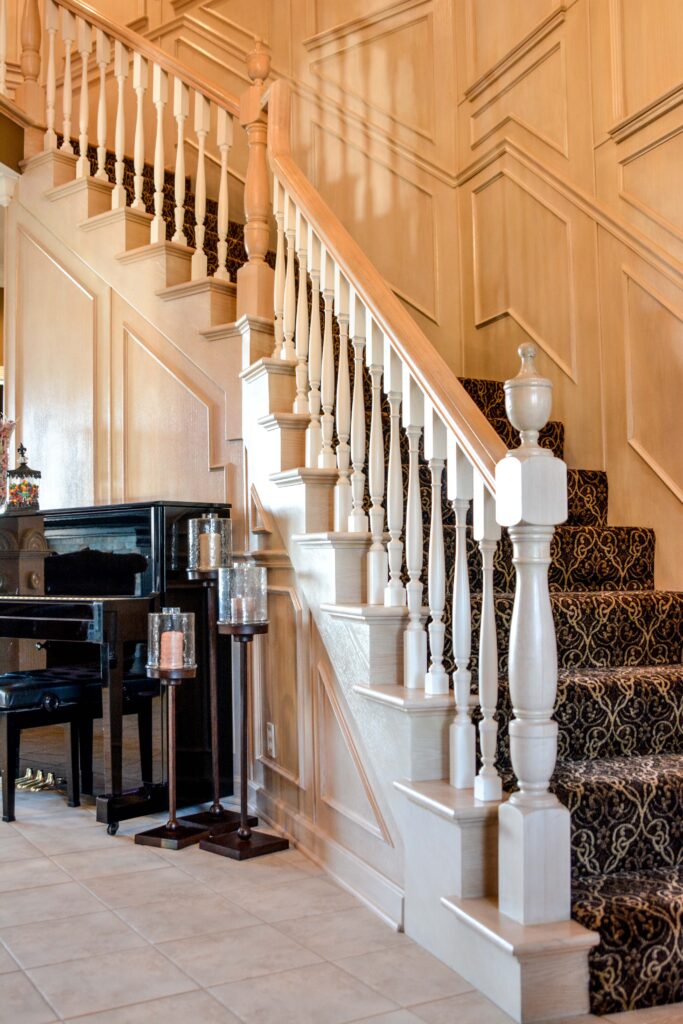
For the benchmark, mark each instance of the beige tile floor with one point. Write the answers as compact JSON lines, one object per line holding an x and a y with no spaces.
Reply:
{"x":97,"y":930}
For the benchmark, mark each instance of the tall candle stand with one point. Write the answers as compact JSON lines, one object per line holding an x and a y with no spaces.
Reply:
{"x":218,"y":818}
{"x":171,"y":660}
{"x":244,"y":843}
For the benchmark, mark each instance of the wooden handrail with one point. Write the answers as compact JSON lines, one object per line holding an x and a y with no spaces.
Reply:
{"x":430,"y":371}
{"x":139,"y":44}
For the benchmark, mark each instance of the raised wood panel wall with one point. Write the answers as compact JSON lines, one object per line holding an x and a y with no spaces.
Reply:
{"x":479,"y":150}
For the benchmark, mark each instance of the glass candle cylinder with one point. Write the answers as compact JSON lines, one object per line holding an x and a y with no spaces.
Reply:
{"x":209,"y":542}
{"x":170,"y":642}
{"x":242,"y":594}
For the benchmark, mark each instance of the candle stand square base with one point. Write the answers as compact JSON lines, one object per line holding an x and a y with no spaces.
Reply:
{"x":231,"y":845}
{"x":171,"y":838}
{"x":217,"y":823}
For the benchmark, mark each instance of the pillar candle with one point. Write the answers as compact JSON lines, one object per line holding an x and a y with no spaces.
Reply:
{"x":171,"y":649}
{"x":209,"y":550}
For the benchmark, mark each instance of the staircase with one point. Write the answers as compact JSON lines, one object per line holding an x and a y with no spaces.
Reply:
{"x":538,"y":850}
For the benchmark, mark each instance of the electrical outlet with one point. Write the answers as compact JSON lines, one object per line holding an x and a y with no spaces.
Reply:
{"x":271,"y":748}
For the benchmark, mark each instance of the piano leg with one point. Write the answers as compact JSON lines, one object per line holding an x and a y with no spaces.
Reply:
{"x":73,"y":789}
{"x":9,"y":757}
{"x":112,"y":720}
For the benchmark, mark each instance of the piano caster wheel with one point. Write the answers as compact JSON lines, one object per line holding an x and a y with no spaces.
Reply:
{"x":112,"y":828}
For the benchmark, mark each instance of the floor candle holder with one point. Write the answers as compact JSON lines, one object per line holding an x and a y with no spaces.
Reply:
{"x":242,"y":616}
{"x":171,"y":659}
{"x":218,"y":818}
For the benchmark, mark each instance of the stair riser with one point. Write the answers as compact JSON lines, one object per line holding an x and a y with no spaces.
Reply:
{"x":583,"y":559}
{"x":597,"y":630}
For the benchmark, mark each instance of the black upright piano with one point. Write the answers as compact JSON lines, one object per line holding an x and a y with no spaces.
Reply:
{"x":77,"y":584}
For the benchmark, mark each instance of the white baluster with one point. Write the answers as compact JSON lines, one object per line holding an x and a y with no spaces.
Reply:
{"x":84,"y":49}
{"x":3,"y":48}
{"x":436,"y":679}
{"x":314,"y":432}
{"x":301,"y":336}
{"x":121,"y":64}
{"x":462,"y":732}
{"x":534,"y":828}
{"x":224,"y":140}
{"x":202,"y":123}
{"x":68,"y":38}
{"x":327,"y":458}
{"x":102,"y":58}
{"x":139,"y":85}
{"x":342,"y":491}
{"x":394,"y":592}
{"x":415,"y":636}
{"x":159,"y":99}
{"x":487,"y":785}
{"x":279,"y":279}
{"x":51,"y":27}
{"x":289,"y":321}
{"x":358,"y":521}
{"x":181,"y":109}
{"x":377,"y":555}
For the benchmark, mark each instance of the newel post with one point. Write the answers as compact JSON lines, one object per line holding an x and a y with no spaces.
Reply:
{"x":255,"y":278}
{"x":531,"y":499}
{"x":30,"y":95}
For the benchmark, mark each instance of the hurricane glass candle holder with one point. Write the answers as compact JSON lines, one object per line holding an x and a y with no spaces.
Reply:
{"x":23,"y":484}
{"x":170,"y":646}
{"x":242,"y":594}
{"x":209,"y":542}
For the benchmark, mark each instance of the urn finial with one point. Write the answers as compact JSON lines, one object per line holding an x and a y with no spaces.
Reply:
{"x":528,"y":401}
{"x":258,"y":62}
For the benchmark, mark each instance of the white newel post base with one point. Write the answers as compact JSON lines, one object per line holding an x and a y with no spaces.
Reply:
{"x":462,"y":742}
{"x":534,"y":884}
{"x":378,"y":571}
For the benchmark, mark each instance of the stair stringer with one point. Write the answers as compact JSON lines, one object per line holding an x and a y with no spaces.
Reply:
{"x":436,"y":852}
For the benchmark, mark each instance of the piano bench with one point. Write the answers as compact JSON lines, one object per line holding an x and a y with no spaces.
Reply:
{"x":69,"y":695}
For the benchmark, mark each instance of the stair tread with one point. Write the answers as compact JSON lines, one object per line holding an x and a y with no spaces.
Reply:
{"x":639,"y":915}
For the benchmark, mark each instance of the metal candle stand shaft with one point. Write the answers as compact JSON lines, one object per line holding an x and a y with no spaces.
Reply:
{"x":174,"y":835}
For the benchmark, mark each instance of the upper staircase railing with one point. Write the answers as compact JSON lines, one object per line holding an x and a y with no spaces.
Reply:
{"x":151,"y":73}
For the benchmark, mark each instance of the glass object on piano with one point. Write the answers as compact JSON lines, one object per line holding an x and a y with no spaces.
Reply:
{"x":23,"y":484}
{"x":170,"y":641}
{"x":209,"y":542}
{"x":6,"y":428}
{"x":242,"y":594}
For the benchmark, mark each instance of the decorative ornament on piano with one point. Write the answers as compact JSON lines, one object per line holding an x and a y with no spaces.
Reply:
{"x":209,"y":543}
{"x":23,"y":484}
{"x":242,"y":594}
{"x":6,"y":429}
{"x":171,"y":646}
